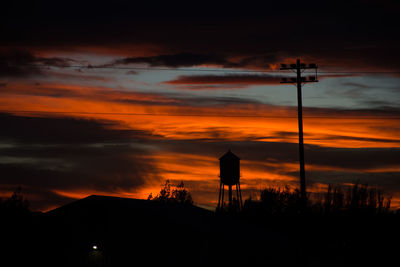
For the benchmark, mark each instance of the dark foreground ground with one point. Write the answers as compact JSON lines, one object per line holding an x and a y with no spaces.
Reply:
{"x":131,"y":232}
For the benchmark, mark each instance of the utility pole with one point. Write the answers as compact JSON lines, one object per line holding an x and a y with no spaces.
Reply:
{"x":299,"y":68}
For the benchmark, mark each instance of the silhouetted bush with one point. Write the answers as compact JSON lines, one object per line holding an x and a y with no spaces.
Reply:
{"x":178,"y":194}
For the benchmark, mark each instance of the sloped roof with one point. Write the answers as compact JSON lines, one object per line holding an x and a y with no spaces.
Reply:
{"x":97,"y":207}
{"x":167,"y":234}
{"x":229,"y":155}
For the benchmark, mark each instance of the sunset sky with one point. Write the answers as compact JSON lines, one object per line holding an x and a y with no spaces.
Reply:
{"x":115,"y":97}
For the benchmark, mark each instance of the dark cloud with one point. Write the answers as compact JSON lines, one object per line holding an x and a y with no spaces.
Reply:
{"x":286,"y":134}
{"x":346,"y":34}
{"x":351,"y":138}
{"x":353,"y":158}
{"x":224,"y":81}
{"x":46,"y":155}
{"x":39,"y":90}
{"x":17,"y":64}
{"x":388,"y":181}
{"x":200,"y":87}
{"x":174,"y":60}
{"x":42,"y":130}
{"x":54,"y":61}
{"x":387,"y":112}
{"x":21,"y":63}
{"x":333,"y":137}
{"x":175,"y":99}
{"x":390,"y":103}
{"x":191,"y":59}
{"x":132,"y":72}
{"x":355,"y":85}
{"x":106,"y":168}
{"x":222,"y":101}
{"x":231,"y":81}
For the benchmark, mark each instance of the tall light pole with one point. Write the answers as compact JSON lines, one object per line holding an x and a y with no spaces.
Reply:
{"x":299,"y":80}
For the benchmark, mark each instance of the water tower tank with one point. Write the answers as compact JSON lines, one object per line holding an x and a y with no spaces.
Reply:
{"x":229,"y":165}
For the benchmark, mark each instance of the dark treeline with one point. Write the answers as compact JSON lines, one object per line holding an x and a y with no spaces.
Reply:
{"x":358,"y":199}
{"x":343,"y":226}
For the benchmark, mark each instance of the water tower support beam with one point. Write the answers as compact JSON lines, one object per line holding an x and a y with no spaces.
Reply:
{"x":240,"y":194}
{"x":223,"y":191}
{"x":237,"y":195}
{"x":230,"y":196}
{"x":219,"y":195}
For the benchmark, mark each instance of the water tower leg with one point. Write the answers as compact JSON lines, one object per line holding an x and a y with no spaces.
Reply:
{"x":240,"y":195}
{"x":223,"y":191}
{"x":219,"y":196}
{"x":230,"y":196}
{"x":237,"y":195}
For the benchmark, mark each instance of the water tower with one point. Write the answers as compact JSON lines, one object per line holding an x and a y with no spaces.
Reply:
{"x":229,"y":165}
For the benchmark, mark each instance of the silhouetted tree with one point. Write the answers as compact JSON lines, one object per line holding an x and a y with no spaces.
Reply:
{"x":179,"y":194}
{"x":15,"y":205}
{"x":165,"y":193}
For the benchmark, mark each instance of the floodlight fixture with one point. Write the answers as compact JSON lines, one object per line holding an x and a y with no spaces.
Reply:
{"x":95,"y":247}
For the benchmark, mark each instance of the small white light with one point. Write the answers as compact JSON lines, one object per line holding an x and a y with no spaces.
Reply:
{"x":95,"y":247}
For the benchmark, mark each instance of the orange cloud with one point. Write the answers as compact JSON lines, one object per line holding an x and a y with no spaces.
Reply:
{"x":169,"y":119}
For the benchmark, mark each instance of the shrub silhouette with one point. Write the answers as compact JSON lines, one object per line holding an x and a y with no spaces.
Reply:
{"x":178,"y":194}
